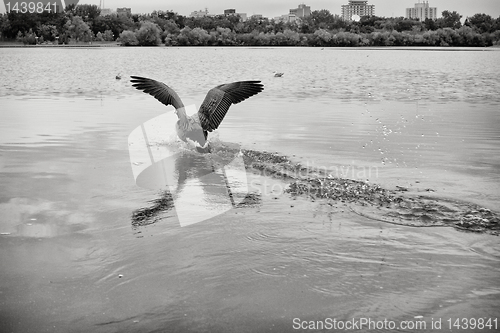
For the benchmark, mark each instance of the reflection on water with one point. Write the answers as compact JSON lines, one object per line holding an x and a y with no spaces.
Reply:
{"x":423,"y":120}
{"x":201,"y":189}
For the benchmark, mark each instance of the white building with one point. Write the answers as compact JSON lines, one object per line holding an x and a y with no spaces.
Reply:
{"x":199,"y":13}
{"x":422,"y":11}
{"x":357,"y":7}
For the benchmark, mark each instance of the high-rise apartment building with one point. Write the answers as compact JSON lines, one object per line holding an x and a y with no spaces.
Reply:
{"x":357,"y":7}
{"x":422,"y":11}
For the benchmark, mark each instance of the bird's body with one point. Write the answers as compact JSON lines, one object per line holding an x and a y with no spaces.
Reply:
{"x":190,"y":129}
{"x":195,"y":128}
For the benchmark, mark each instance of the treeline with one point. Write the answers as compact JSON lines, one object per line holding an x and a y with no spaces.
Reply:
{"x":83,"y":23}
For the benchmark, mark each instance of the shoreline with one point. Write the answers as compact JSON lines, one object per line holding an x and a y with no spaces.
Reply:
{"x":421,"y":48}
{"x":20,"y":45}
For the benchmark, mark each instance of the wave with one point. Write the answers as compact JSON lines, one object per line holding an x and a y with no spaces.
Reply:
{"x":369,"y":200}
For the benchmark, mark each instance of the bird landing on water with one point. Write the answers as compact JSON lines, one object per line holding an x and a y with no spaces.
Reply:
{"x":212,"y":111}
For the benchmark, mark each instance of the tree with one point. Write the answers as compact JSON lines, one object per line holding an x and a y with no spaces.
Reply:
{"x":258,"y":24}
{"x":22,"y":22}
{"x":199,"y":36}
{"x":171,"y":28}
{"x":369,"y":23}
{"x":108,"y":36}
{"x":222,"y":36}
{"x":4,"y":25}
{"x":171,"y":16}
{"x":430,"y":24}
{"x":128,"y":38}
{"x":481,"y":23}
{"x":116,"y":23}
{"x":29,"y":38}
{"x":405,"y":24}
{"x":291,"y":37}
{"x":70,"y":10}
{"x":450,"y":20}
{"x":430,"y":38}
{"x":323,"y":36}
{"x":98,"y":37}
{"x":19,"y":36}
{"x":88,"y":12}
{"x":322,"y":19}
{"x":48,"y":32}
{"x":77,"y":29}
{"x":195,"y":37}
{"x":148,"y":34}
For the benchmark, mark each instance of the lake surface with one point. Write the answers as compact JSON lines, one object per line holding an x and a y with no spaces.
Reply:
{"x":427,"y":120}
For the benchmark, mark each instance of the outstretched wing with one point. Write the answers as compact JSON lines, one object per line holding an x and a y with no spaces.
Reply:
{"x":219,"y":99}
{"x":158,"y":90}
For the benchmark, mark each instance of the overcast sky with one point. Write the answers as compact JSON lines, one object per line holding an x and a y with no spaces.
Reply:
{"x":272,"y":8}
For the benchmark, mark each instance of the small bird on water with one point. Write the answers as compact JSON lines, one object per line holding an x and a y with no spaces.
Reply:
{"x":211,"y":113}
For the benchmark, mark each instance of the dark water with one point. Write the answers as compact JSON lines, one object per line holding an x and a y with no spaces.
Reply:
{"x":70,"y":259}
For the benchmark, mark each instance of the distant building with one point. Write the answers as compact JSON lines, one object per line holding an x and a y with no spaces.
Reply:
{"x":243,"y":16}
{"x":257,"y":16}
{"x":422,"y":11}
{"x":357,"y":7}
{"x":301,"y":11}
{"x":106,"y":11}
{"x":295,"y":14}
{"x":199,"y":13}
{"x":286,"y":18}
{"x":124,"y":11}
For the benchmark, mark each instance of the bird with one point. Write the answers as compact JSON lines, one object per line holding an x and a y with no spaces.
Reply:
{"x":118,"y":77}
{"x":211,"y":112}
{"x":276,"y":74}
